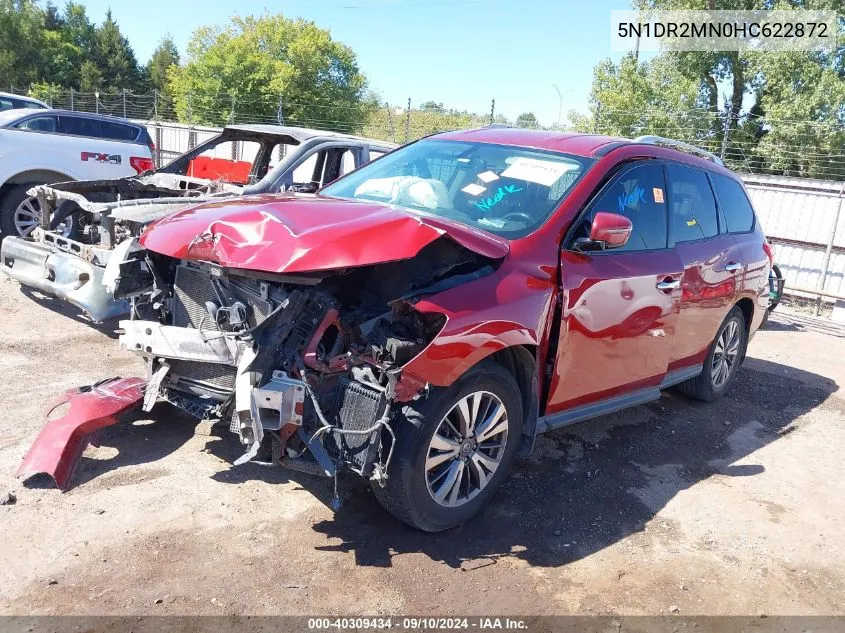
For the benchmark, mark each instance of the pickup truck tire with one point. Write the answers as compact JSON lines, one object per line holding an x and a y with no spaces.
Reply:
{"x":726,"y":352}
{"x":433,"y":447}
{"x":10,"y":204}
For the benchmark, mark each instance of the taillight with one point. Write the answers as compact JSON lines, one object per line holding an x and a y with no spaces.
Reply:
{"x":769,"y":254}
{"x":141,"y":164}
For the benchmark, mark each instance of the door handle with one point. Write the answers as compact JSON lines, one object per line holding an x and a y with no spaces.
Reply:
{"x":732,"y":267}
{"x":668,"y":284}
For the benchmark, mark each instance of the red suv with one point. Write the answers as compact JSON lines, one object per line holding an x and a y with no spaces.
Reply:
{"x":421,"y":319}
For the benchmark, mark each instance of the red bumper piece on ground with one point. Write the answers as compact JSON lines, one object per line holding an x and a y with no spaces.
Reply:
{"x":60,"y":444}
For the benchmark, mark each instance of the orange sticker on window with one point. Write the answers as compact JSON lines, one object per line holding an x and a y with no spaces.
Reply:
{"x":658,"y":194}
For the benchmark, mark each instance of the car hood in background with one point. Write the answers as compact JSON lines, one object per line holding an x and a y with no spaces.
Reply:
{"x":285,"y":234}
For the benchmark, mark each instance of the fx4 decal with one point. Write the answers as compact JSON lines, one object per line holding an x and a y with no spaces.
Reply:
{"x":113,"y":159}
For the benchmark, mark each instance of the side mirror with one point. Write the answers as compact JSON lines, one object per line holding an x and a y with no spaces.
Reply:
{"x":609,"y":230}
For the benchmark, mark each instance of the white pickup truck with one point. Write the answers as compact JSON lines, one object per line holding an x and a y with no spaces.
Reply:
{"x":45,"y":146}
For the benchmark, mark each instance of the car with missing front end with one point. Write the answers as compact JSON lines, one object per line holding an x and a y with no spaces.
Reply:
{"x":106,"y":215}
{"x":421,"y":320}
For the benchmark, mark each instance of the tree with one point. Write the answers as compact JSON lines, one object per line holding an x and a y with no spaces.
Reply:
{"x":21,"y":26}
{"x":251,"y":64}
{"x":527,"y":119}
{"x":165,"y":56}
{"x":786,"y":111}
{"x":90,"y":77}
{"x":114,"y":57}
{"x":432,"y":105}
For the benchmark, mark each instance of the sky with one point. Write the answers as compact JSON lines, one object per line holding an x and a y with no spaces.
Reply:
{"x":463,"y":53}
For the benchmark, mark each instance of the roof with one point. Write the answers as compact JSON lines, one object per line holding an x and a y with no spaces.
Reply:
{"x":12,"y":95}
{"x":594,"y":145}
{"x":7,"y":116}
{"x":568,"y":142}
{"x":299,"y":134}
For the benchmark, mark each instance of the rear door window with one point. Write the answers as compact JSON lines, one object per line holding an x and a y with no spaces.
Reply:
{"x":80,"y":126}
{"x":638,"y":194}
{"x":692,"y":207}
{"x":736,"y":209}
{"x":118,"y":131}
{"x":39,"y":124}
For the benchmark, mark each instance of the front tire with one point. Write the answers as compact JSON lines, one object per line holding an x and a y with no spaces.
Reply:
{"x":722,"y":360}
{"x":453,"y":449}
{"x":20,"y":214}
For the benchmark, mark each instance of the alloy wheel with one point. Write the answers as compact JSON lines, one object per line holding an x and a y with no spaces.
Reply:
{"x":466,"y":449}
{"x":725,"y":355}
{"x":28,"y":218}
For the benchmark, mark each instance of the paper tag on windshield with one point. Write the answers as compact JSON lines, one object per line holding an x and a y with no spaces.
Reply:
{"x":487,"y":176}
{"x":658,"y":194}
{"x":543,"y":172}
{"x":474,"y":190}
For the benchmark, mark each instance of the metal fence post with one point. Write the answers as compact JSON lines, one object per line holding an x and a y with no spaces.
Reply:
{"x":71,"y":99}
{"x":158,"y":145}
{"x":408,"y":121}
{"x":124,"y":103}
{"x":829,"y":249}
{"x":726,"y":133}
{"x":492,"y":110}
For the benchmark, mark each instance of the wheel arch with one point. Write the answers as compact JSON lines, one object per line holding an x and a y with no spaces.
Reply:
{"x":521,"y":362}
{"x":746,"y":306}
{"x":33,"y":176}
{"x":37,"y":175}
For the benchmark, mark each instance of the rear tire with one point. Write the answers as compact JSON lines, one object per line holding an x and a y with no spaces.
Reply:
{"x":722,"y":362}
{"x":414,"y":484}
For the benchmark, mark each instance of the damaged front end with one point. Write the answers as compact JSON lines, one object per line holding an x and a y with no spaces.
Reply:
{"x":302,"y":367}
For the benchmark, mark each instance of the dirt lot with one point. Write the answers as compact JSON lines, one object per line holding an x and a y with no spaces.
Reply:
{"x":732,"y":508}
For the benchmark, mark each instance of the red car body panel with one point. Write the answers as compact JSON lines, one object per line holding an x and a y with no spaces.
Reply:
{"x":285,"y":234}
{"x":60,"y":443}
{"x":516,"y":305}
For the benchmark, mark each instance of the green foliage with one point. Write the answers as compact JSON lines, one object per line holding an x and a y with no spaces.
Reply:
{"x":786,"y":110}
{"x":49,"y":46}
{"x":527,"y":119}
{"x":21,"y":27}
{"x":45,"y":92}
{"x":250,"y":64}
{"x":114,"y":57}
{"x":391,"y":124}
{"x":165,"y":56}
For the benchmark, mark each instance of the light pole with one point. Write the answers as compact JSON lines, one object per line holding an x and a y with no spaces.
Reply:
{"x":559,"y":103}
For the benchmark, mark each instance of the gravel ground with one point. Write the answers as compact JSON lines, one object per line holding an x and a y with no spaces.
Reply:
{"x":735,"y":507}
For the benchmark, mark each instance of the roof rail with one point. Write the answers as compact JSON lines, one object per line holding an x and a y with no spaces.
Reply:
{"x":679,"y":145}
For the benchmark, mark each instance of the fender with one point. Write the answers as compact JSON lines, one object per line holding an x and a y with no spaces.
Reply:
{"x":506,"y":312}
{"x":36,"y":163}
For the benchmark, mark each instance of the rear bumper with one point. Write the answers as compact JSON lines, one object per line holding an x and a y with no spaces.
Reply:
{"x":60,"y":275}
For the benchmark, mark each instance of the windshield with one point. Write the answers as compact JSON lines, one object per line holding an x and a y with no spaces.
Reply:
{"x":506,"y":190}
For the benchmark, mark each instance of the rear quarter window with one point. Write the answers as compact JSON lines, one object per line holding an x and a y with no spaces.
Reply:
{"x":118,"y":131}
{"x":736,"y":209}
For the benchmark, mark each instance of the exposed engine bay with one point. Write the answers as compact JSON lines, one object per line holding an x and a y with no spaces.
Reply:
{"x":303,"y":367}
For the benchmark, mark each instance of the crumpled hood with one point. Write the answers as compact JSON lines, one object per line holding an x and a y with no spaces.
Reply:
{"x":286,"y":234}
